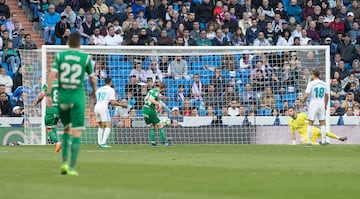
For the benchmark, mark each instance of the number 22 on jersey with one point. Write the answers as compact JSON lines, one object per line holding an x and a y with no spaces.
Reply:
{"x":70,"y":74}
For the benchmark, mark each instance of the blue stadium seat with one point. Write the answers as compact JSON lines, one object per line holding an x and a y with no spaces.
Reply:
{"x":289,"y":96}
{"x":168,"y":81}
{"x":238,"y":57}
{"x":204,"y":73}
{"x":219,"y":111}
{"x":84,"y":41}
{"x":225,"y":74}
{"x":267,"y":112}
{"x":10,"y":74}
{"x":172,"y":104}
{"x":116,"y":58}
{"x":3,"y":22}
{"x":216,"y":64}
{"x":202,"y":112}
{"x":125,"y":73}
{"x":245,"y":73}
{"x":5,"y":65}
{"x":116,"y":80}
{"x":87,"y":84}
{"x":244,"y":80}
{"x":241,"y":87}
{"x":197,"y":104}
{"x":58,"y":41}
{"x":184,"y":82}
{"x":111,"y":112}
{"x":138,"y":113}
{"x":114,"y":73}
{"x":238,"y":74}
{"x":120,"y":66}
{"x":146,"y":65}
{"x":278,"y":97}
{"x":278,"y":104}
{"x":171,"y":91}
{"x":291,"y":103}
{"x":120,"y":91}
{"x":205,"y":80}
{"x":217,"y":58}
{"x":260,"y":112}
{"x":197,"y":66}
{"x":207,"y":58}
{"x":348,"y":66}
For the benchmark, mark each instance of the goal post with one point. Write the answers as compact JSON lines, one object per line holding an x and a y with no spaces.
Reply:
{"x":226,"y":112}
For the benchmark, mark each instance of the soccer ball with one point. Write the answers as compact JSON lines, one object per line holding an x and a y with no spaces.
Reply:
{"x":166,"y":122}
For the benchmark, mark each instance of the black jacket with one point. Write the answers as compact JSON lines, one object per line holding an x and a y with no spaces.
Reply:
{"x":204,"y":12}
{"x":60,"y":28}
{"x":110,"y":18}
{"x":232,"y":24}
{"x":6,"y":108}
{"x":30,"y":46}
{"x":222,"y":42}
{"x":161,"y":12}
{"x":4,"y":10}
{"x":88,"y":30}
{"x":17,"y":81}
{"x":153,"y":33}
{"x":348,"y":52}
{"x":60,"y":8}
{"x":191,"y":41}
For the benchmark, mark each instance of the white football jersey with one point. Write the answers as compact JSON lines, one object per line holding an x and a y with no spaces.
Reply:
{"x":104,"y":95}
{"x":317,"y":90}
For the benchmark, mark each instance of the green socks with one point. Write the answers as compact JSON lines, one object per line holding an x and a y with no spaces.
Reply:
{"x":75,"y":148}
{"x":65,"y":146}
{"x":53,"y":136}
{"x":152,"y":135}
{"x":162,"y":135}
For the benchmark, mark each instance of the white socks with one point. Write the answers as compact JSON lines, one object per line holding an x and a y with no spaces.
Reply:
{"x":323,"y":134}
{"x":100,"y":136}
{"x":309,"y":130}
{"x":106,"y":135}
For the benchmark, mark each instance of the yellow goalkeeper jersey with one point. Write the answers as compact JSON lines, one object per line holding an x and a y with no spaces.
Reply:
{"x":300,"y":124}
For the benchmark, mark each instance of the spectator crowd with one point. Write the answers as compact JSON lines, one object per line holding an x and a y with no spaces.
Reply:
{"x":12,"y":38}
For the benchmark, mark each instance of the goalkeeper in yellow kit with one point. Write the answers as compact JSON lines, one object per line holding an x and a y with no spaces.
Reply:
{"x":299,"y":123}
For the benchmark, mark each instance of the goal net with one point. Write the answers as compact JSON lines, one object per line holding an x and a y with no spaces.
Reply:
{"x":227,"y":95}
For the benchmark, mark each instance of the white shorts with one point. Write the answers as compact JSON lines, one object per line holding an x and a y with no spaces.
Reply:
{"x":102,"y":114}
{"x":316,"y":111}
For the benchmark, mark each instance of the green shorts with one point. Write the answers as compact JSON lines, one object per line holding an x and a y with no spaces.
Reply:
{"x":150,"y":116}
{"x":73,"y":114}
{"x":51,"y":117}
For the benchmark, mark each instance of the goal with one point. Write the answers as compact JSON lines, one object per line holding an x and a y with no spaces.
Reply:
{"x":214,"y":95}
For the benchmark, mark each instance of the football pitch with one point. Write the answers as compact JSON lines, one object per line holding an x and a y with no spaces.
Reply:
{"x":184,"y":172}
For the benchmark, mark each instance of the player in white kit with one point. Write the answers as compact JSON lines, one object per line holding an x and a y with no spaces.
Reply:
{"x":319,"y":97}
{"x":104,"y":95}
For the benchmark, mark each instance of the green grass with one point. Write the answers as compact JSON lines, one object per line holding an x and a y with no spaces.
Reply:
{"x":184,"y":172}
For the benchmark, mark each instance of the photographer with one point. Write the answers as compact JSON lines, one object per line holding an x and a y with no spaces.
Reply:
{"x":18,"y":109}
{"x":5,"y":105}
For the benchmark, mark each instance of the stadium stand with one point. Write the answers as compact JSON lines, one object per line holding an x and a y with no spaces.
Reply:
{"x":331,"y":24}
